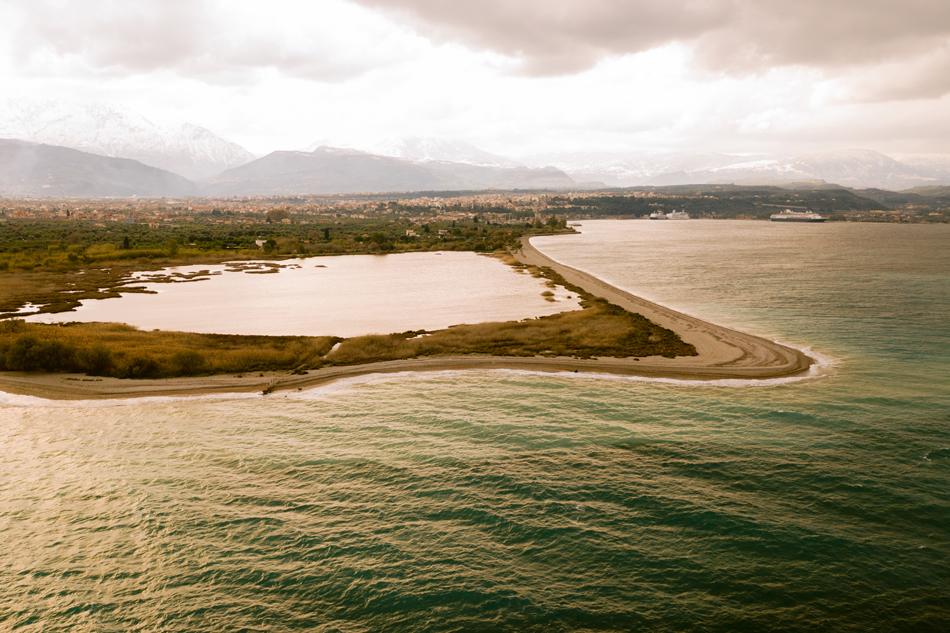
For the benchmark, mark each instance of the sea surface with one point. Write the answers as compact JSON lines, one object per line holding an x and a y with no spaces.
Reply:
{"x":514,"y":501}
{"x":349,"y":295}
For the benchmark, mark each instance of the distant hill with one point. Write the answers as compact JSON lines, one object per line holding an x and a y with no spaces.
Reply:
{"x":508,"y":177}
{"x":332,"y":170}
{"x":917,"y":195}
{"x":188,"y":150}
{"x":31,"y":169}
{"x":855,"y":168}
{"x":432,"y":149}
{"x":930,"y":192}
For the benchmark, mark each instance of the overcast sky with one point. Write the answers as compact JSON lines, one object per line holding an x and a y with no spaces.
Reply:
{"x":512,"y":76}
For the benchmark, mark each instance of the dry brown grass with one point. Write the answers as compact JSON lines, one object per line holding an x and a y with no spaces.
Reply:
{"x":601,"y":329}
{"x":161,"y":353}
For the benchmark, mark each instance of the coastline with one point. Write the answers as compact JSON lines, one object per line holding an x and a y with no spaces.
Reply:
{"x":723,"y":353}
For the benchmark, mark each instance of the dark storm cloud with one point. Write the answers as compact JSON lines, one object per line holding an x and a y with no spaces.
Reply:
{"x":562,"y":36}
{"x":183,"y":36}
{"x":736,"y":36}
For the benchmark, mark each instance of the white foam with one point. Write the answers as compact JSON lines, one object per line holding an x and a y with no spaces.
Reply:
{"x":822,"y":368}
{"x":16,"y":400}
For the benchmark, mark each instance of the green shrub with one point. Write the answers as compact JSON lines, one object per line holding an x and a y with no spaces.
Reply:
{"x":188,"y":363}
{"x":139,"y":367}
{"x":96,"y":360}
{"x":28,"y":353}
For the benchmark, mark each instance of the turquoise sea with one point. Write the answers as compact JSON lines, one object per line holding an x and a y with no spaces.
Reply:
{"x":493,"y":501}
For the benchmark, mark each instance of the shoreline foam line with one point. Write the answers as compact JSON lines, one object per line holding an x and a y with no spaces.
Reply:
{"x":723,"y":353}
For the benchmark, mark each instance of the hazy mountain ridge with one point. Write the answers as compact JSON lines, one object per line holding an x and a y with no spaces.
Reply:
{"x":339,"y":170}
{"x":422,"y":164}
{"x":323,"y":171}
{"x":186,"y":149}
{"x":31,"y":169}
{"x":853,"y":168}
{"x":428,"y":149}
{"x":432,"y":149}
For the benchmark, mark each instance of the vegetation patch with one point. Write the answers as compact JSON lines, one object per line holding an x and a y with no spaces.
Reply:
{"x":599,"y":329}
{"x":121,"y":351}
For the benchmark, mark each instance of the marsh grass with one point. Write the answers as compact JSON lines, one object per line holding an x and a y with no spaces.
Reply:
{"x":114,"y":349}
{"x":63,"y":289}
{"x":600,"y":329}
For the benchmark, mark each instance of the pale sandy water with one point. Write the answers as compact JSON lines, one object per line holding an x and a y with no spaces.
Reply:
{"x":343,"y":296}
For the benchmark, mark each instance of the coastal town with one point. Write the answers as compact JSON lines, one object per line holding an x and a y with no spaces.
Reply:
{"x":499,"y":208}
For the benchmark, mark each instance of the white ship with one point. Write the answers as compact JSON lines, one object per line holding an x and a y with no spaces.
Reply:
{"x":796,"y":216}
{"x":672,"y":215}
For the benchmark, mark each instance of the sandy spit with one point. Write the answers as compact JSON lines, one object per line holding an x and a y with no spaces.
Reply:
{"x":723,"y":354}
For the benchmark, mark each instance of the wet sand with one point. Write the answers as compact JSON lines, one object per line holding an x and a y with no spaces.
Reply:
{"x":724,"y":353}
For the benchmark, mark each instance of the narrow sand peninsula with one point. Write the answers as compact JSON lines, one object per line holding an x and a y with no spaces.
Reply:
{"x":723,"y":353}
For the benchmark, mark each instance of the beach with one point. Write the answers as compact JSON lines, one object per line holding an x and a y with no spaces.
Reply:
{"x":723,"y":353}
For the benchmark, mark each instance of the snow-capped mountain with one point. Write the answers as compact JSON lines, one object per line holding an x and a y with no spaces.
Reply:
{"x":107,"y":130}
{"x":431,"y":149}
{"x":629,"y":169}
{"x":857,"y":168}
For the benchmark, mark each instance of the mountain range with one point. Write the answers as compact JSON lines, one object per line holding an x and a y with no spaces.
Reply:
{"x":430,"y":149}
{"x":336,"y":170}
{"x":857,"y":168}
{"x":31,"y":169}
{"x":186,"y":149}
{"x":215,"y":166}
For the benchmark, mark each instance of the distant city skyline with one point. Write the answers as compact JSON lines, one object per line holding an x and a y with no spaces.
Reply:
{"x":513,"y":78}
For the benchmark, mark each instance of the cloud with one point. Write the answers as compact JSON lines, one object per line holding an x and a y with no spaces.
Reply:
{"x":924,"y":77}
{"x":554,"y":37}
{"x":194,"y":38}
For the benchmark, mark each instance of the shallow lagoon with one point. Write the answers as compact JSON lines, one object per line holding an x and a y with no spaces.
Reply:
{"x":343,"y":296}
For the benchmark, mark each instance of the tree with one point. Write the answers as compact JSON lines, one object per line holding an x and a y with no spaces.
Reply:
{"x":125,"y":243}
{"x":277,"y":215}
{"x":326,"y":234}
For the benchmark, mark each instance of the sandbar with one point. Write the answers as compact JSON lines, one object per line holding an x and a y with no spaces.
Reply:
{"x":723,"y":353}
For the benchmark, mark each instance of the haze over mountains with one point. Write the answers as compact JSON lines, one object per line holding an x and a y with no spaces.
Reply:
{"x":855,"y":168}
{"x":430,"y":149}
{"x":30,"y":169}
{"x":186,"y":149}
{"x":336,"y":170}
{"x":202,"y":163}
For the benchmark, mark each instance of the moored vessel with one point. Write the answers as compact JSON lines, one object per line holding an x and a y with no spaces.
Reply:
{"x":796,"y":216}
